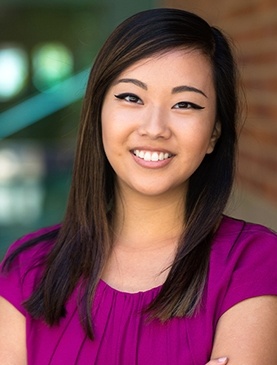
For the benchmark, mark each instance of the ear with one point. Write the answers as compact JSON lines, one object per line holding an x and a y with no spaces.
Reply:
{"x":214,"y":137}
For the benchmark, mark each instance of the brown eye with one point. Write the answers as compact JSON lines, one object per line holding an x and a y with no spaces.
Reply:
{"x":187,"y":105}
{"x":130,"y":98}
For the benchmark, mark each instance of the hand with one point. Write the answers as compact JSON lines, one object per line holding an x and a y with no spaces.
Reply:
{"x":220,"y":360}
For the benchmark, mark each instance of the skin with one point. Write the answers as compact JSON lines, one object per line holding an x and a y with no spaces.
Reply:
{"x":12,"y":335}
{"x":153,"y":195}
{"x":145,"y":109}
{"x":247,"y":332}
{"x":161,"y":104}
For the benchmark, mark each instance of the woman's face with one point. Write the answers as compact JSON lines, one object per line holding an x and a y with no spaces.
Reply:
{"x":158,"y":122}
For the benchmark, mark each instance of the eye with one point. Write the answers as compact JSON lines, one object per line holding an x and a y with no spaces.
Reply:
{"x":130,"y":98}
{"x":187,"y":105}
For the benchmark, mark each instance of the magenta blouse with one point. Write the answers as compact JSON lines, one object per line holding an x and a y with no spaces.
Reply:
{"x":243,"y":264}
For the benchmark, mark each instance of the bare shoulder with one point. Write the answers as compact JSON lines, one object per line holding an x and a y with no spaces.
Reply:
{"x":12,"y":335}
{"x":247,"y":332}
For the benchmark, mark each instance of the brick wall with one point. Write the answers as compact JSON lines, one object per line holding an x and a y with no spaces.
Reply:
{"x":252,"y":24}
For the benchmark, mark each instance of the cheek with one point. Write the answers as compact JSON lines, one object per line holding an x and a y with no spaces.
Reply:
{"x":197,"y":137}
{"x":107,"y":126}
{"x":117,"y":126}
{"x":206,"y":133}
{"x":112,"y":138}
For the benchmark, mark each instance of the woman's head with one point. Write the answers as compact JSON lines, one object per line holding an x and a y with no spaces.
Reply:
{"x":143,"y":35}
{"x":158,"y":123}
{"x":86,"y":228}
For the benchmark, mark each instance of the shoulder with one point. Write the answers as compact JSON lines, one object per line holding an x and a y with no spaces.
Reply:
{"x":32,"y":244}
{"x":243,"y":263}
{"x":23,"y":265}
{"x":234,"y":236}
{"x":238,"y":244}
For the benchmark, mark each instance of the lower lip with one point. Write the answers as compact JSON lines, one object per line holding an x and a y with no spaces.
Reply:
{"x":152,"y":164}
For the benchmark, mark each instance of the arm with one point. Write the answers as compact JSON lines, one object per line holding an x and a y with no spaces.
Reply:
{"x":247,"y":332}
{"x":12,"y":335}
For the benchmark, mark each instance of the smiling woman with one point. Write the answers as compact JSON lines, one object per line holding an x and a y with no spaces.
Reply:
{"x":159,"y":121}
{"x":145,"y":268}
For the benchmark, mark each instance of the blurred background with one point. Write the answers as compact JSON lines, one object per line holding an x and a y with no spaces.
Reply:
{"x":46,"y":50}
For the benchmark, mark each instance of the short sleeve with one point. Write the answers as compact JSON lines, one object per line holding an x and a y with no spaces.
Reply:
{"x":18,"y":280}
{"x":249,"y":268}
{"x":11,"y":281}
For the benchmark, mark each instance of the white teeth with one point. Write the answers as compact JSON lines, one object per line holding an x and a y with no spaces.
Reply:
{"x":140,"y":154}
{"x":155,"y":156}
{"x":152,"y":156}
{"x":147,"y":156}
{"x":161,"y":156}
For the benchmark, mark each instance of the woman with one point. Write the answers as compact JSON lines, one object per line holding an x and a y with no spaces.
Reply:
{"x":145,"y":269}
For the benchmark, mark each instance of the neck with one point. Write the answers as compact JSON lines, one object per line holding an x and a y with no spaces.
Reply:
{"x":148,"y":221}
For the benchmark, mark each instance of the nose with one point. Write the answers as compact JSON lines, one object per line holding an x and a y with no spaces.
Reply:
{"x":155,"y":124}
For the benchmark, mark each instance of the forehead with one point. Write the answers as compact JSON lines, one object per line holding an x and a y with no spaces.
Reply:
{"x":174,"y":52}
{"x":172,"y":68}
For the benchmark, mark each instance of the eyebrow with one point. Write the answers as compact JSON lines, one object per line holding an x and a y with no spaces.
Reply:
{"x":175,"y":90}
{"x":133,"y":81}
{"x":179,"y":89}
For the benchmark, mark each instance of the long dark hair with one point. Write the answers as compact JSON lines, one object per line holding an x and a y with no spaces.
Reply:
{"x":84,"y":241}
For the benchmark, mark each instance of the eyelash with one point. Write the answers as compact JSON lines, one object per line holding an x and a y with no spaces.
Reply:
{"x":126,"y":95}
{"x":189,"y":105}
{"x":136,"y":100}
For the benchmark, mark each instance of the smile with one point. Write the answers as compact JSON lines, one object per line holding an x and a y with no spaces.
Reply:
{"x":152,"y":156}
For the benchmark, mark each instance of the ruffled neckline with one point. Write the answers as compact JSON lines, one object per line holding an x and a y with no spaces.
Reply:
{"x":104,"y":285}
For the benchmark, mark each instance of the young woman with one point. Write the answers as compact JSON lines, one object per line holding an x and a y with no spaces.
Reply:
{"x":145,"y":268}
